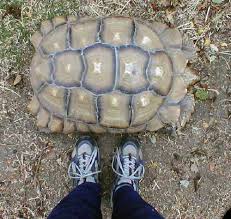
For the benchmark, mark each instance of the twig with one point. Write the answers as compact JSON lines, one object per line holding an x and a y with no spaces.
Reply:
{"x":8,"y":89}
{"x":125,"y":6}
{"x":207,"y":14}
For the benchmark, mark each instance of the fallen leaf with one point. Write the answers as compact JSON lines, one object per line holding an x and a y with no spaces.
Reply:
{"x":17,"y":79}
{"x":217,"y":1}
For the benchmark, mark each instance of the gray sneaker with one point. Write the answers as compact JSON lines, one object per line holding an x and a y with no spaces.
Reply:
{"x":128,"y":165}
{"x":84,"y":166}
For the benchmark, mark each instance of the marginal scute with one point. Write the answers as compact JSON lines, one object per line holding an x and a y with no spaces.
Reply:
{"x":169,"y":114}
{"x":55,"y":41}
{"x":53,"y":97}
{"x":84,"y":34}
{"x":34,"y":105}
{"x":117,"y":31}
{"x":136,"y":129}
{"x":116,"y":130}
{"x":100,"y":70}
{"x":40,"y":71}
{"x":147,"y":38}
{"x":46,"y":27}
{"x":36,"y":39}
{"x":171,"y":37}
{"x":178,"y":90}
{"x":82,"y":105}
{"x":187,"y":108}
{"x":159,"y":27}
{"x":58,"y":20}
{"x":43,"y":117}
{"x":145,"y":105}
{"x":69,"y":68}
{"x":72,"y":19}
{"x":179,"y":60}
{"x":132,"y":66}
{"x":190,"y":77}
{"x":55,"y":124}
{"x":154,"y":124}
{"x":97,"y":129}
{"x":188,"y":48}
{"x":82,"y":127}
{"x":114,"y":110}
{"x":68,"y":127}
{"x":160,"y":72}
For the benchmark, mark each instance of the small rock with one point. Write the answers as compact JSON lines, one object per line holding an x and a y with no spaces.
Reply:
{"x":212,"y":94}
{"x":194,"y":168}
{"x":184,"y":183}
{"x":228,"y":90}
{"x":152,"y":139}
{"x":212,"y":167}
{"x":228,"y":109}
{"x":214,"y":48}
{"x":205,"y":125}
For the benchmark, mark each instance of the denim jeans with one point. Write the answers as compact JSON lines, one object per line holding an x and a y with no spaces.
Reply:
{"x":85,"y":200}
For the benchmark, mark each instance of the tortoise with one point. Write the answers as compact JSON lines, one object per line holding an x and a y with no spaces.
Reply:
{"x":112,"y":74}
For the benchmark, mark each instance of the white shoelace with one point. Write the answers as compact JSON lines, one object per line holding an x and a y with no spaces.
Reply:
{"x":83,"y":170}
{"x":128,"y":164}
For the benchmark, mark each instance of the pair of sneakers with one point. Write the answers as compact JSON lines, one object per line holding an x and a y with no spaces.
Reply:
{"x":127,"y":163}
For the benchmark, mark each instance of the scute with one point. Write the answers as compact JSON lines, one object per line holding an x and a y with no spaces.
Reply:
{"x":53,"y":98}
{"x":113,"y":74}
{"x":117,"y":31}
{"x":100,"y":67}
{"x":160,"y":72}
{"x":84,"y":33}
{"x":55,"y":41}
{"x":146,"y":38}
{"x":154,"y":124}
{"x":114,"y":110}
{"x":68,"y":68}
{"x":145,"y":106}
{"x":178,"y":90}
{"x":133,"y":64}
{"x":55,"y":124}
{"x":171,"y":37}
{"x":82,"y":105}
{"x":40,"y":71}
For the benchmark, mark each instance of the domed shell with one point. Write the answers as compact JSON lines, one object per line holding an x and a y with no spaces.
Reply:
{"x":113,"y":74}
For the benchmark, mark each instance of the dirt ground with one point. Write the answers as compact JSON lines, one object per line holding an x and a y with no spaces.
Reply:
{"x":187,"y":173}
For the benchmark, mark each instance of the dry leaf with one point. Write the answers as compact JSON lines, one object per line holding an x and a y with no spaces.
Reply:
{"x":17,"y":79}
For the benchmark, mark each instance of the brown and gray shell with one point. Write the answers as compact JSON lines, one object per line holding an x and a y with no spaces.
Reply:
{"x":113,"y":74}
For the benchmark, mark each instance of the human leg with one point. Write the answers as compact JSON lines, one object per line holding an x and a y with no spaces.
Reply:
{"x":84,"y":201}
{"x":128,"y":166}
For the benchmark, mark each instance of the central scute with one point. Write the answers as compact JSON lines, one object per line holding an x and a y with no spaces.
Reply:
{"x":101,"y":69}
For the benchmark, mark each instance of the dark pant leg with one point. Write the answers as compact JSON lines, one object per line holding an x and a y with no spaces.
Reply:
{"x":82,"y":203}
{"x":128,"y":204}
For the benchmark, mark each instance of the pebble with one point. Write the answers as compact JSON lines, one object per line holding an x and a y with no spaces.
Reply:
{"x":194,"y":168}
{"x":152,"y":139}
{"x":228,"y":90}
{"x":184,"y":183}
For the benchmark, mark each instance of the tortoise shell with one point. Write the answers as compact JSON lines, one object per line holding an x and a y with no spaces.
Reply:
{"x":115,"y":74}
